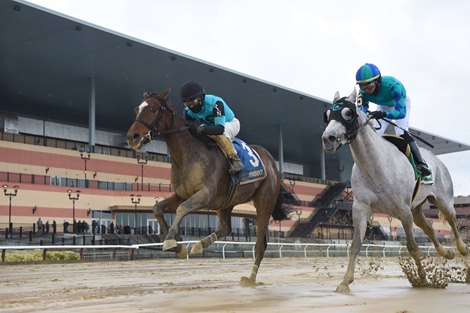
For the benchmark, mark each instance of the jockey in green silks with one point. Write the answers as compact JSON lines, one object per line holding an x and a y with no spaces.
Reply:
{"x":389,"y":94}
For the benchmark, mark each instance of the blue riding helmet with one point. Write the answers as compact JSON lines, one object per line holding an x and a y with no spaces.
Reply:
{"x":367,"y":73}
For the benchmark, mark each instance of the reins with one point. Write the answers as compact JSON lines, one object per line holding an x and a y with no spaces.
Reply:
{"x":352,"y":135}
{"x":415,"y":136}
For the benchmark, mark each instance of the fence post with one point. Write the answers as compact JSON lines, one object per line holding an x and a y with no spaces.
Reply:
{"x":44,"y":254}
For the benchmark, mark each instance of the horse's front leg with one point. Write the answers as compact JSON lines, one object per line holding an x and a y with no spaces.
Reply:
{"x":360,"y":217}
{"x":166,"y":205}
{"x":197,"y":201}
{"x":223,"y":229}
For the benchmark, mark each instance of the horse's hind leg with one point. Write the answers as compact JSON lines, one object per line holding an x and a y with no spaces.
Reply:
{"x":412,"y":246}
{"x":446,"y":210}
{"x":264,"y":201}
{"x":260,"y":248}
{"x":223,"y":229}
{"x":422,"y":222}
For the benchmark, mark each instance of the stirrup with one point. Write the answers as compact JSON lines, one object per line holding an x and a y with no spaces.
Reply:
{"x":424,"y":169}
{"x":236,"y":167}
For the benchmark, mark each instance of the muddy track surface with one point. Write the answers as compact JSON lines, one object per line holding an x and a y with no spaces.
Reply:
{"x":213,"y":285}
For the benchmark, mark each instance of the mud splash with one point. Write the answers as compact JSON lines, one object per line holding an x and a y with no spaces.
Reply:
{"x":439,"y":273}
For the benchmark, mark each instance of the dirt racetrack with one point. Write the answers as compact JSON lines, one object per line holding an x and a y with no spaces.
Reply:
{"x":212,"y":285}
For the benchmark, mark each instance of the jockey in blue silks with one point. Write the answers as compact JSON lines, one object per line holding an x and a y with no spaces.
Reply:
{"x":216,"y":118}
{"x":392,"y":103}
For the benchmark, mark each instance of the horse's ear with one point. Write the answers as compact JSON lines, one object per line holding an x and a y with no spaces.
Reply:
{"x":352,"y":96}
{"x":336,"y":97}
{"x":165,"y":94}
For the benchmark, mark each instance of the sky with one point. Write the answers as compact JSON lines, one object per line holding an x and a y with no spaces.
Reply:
{"x":316,"y":47}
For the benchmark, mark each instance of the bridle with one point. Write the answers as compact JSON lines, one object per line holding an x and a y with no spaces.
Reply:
{"x":337,"y":112}
{"x":153,"y":131}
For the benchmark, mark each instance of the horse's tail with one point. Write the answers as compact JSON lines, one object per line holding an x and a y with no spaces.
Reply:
{"x":280,"y":212}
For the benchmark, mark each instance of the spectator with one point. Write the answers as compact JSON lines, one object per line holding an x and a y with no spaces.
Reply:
{"x":47,"y":227}
{"x":39,"y":224}
{"x":85,"y":227}
{"x":66,"y":226}
{"x":54,"y":226}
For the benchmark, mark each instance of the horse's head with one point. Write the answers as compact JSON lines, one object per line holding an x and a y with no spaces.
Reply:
{"x":342,"y":122}
{"x":154,"y":116}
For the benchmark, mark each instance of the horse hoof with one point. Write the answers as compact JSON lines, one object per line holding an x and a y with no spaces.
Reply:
{"x":464,"y":250}
{"x":169,"y":244}
{"x":342,"y":288}
{"x":247,"y":282}
{"x":183,"y":253}
{"x":450,"y":255}
{"x":197,"y":248}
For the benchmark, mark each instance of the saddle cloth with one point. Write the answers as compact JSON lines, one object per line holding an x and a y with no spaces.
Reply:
{"x":401,"y":144}
{"x":254,"y":167}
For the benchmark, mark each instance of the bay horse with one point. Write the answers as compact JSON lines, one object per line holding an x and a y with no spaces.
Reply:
{"x":200,"y":180}
{"x":383,"y":181}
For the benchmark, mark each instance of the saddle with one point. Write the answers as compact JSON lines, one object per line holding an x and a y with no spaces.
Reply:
{"x":404,"y":147}
{"x":254,"y":168}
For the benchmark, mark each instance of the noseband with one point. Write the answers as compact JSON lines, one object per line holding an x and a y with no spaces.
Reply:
{"x":339,"y":112}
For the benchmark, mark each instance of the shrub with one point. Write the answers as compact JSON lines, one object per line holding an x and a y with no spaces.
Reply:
{"x":36,"y":256}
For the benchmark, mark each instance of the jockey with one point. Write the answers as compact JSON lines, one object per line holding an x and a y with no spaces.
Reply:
{"x":218,"y":120}
{"x":392,"y":103}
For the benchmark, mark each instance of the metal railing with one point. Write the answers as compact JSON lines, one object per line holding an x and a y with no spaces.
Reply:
{"x":223,"y":249}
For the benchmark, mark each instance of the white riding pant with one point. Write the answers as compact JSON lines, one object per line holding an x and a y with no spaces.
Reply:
{"x":232,"y":128}
{"x":403,"y":123}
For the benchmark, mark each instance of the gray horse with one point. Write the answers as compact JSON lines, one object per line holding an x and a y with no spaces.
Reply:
{"x":383,"y":181}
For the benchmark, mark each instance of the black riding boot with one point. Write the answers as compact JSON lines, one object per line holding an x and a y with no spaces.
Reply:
{"x":420,"y":164}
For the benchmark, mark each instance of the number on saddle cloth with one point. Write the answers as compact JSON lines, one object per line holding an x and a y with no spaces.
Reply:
{"x":254,"y":167}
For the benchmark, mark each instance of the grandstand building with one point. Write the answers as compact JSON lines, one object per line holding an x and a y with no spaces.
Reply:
{"x":68,"y":90}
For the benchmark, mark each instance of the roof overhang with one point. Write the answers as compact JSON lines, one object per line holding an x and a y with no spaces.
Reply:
{"x":49,"y":61}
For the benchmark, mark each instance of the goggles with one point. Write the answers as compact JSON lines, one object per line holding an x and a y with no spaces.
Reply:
{"x":367,"y":86}
{"x":189,"y":101}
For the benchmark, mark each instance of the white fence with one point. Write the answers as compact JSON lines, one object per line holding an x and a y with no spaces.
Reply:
{"x":222,"y":249}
